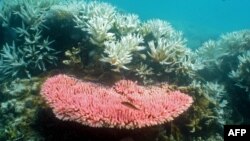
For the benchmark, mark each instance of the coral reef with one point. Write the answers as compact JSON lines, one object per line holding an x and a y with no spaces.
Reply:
{"x":97,"y":42}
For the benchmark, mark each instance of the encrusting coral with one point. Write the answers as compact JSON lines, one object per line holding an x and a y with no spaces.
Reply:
{"x":125,"y":105}
{"x":19,"y":107}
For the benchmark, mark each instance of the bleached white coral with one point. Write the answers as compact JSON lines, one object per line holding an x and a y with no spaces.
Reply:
{"x":216,"y":94}
{"x":65,"y":10}
{"x":132,"y":42}
{"x":158,"y":28}
{"x":242,"y":74}
{"x":99,"y":28}
{"x":187,"y":65}
{"x":210,"y":51}
{"x":229,"y":44}
{"x":119,"y":53}
{"x":236,"y":42}
{"x":215,"y":91}
{"x":126,"y":23}
{"x":173,"y":56}
{"x":164,"y":50}
{"x":213,"y":53}
{"x":210,"y":54}
{"x":97,"y":19}
{"x":105,"y":10}
{"x":116,"y":55}
{"x":144,"y":72}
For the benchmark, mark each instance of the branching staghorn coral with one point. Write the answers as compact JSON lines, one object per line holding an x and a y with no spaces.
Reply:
{"x":30,"y":11}
{"x":242,"y":74}
{"x":209,"y":52}
{"x":210,"y":109}
{"x":35,"y":48}
{"x":220,"y":56}
{"x":164,"y":50}
{"x":115,"y":33}
{"x":119,"y":53}
{"x":40,"y":53}
{"x":188,"y":65}
{"x":216,"y":94}
{"x":12,"y":62}
{"x":31,"y":14}
{"x":32,"y":50}
{"x":65,"y":10}
{"x":144,"y":72}
{"x":158,"y":28}
{"x":226,"y":60}
{"x":236,"y":42}
{"x":5,"y":12}
{"x":99,"y":28}
{"x":229,"y":44}
{"x":34,"y":53}
{"x":173,"y":56}
{"x":97,"y":19}
{"x":126,"y":23}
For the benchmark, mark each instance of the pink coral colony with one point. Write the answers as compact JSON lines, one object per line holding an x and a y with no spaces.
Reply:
{"x":125,"y":105}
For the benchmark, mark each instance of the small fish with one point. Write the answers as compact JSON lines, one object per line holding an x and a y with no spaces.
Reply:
{"x":130,"y":105}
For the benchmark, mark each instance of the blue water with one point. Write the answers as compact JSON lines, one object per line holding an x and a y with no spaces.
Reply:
{"x":200,"y":20}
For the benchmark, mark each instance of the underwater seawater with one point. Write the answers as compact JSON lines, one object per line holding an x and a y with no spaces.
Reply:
{"x":74,"y":70}
{"x":200,"y":20}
